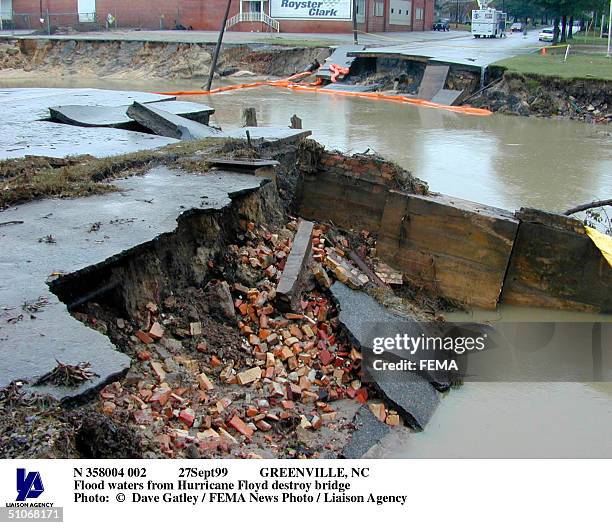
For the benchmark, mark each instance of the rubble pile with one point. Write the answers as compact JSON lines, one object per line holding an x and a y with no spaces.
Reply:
{"x":222,"y":370}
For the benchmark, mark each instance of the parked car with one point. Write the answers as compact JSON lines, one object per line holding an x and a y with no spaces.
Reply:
{"x":442,"y":25}
{"x":547,"y":35}
{"x":517,"y":27}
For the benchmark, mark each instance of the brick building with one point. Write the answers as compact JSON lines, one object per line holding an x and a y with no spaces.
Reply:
{"x":300,"y":16}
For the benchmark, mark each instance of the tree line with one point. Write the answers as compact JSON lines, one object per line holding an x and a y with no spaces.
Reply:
{"x":563,"y":13}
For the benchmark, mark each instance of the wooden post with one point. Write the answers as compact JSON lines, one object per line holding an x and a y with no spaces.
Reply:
{"x":213,"y":65}
{"x":249,"y":117}
{"x":296,"y":122}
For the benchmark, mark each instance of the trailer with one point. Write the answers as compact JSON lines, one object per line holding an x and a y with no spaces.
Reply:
{"x":488,"y":22}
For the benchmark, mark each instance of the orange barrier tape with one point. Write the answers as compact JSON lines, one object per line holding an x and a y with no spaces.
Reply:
{"x":314,"y":87}
{"x":470,"y":110}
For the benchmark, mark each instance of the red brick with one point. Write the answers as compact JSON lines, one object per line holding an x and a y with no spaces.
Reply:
{"x":240,"y":426}
{"x":144,"y":337}
{"x":187,"y":416}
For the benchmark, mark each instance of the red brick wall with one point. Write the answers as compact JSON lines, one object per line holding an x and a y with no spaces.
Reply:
{"x":203,"y":15}
{"x":429,"y":14}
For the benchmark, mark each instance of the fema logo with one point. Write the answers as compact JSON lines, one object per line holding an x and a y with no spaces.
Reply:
{"x":29,"y":485}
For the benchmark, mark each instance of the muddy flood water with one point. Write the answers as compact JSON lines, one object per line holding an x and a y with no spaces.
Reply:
{"x":508,"y":162}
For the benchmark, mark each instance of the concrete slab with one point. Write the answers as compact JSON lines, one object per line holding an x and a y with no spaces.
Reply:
{"x":447,"y":97}
{"x":291,"y":283}
{"x":170,"y":125}
{"x":464,"y":50}
{"x":167,"y":124}
{"x":433,"y":81}
{"x":23,"y":130}
{"x":116,"y":116}
{"x":31,"y":340}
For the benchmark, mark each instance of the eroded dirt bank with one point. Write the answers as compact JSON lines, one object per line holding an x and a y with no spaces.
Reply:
{"x":588,"y":100}
{"x":218,"y":367}
{"x":138,"y":60}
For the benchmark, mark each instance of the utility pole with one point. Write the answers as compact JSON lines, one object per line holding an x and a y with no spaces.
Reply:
{"x":355,"y":38}
{"x":457,"y":15}
{"x":213,"y":66}
{"x":609,"y":31}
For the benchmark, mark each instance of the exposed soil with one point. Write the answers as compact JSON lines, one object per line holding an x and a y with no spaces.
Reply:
{"x":147,"y":60}
{"x":404,"y":76}
{"x":531,"y":95}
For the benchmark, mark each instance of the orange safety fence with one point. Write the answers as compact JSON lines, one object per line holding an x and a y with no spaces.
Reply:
{"x":315,"y":87}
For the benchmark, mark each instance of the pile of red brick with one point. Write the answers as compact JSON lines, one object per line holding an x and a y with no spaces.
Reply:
{"x":293,"y":367}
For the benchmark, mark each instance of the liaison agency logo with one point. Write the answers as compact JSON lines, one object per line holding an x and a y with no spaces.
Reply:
{"x":29,"y":487}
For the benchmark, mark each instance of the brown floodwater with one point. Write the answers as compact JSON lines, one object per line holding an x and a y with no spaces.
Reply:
{"x":504,"y":161}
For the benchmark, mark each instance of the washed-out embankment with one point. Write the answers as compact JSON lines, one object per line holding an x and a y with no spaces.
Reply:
{"x":509,"y":93}
{"x":146,"y":60}
{"x":513,"y":93}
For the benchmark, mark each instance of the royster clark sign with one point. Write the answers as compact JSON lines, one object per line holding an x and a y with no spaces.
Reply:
{"x":312,"y":9}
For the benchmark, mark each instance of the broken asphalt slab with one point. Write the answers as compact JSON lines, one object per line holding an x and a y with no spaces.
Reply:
{"x":176,"y":127}
{"x":414,"y":397}
{"x":116,"y":116}
{"x":56,"y":236}
{"x":25,"y":128}
{"x":168,"y":124}
{"x":369,"y":430}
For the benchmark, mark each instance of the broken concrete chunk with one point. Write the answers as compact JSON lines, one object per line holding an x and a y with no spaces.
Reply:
{"x":204,"y":382}
{"x":195,"y":329}
{"x":249,"y":376}
{"x":158,"y":370}
{"x":116,"y":116}
{"x":291,"y":284}
{"x":166,"y":124}
{"x":156,"y":331}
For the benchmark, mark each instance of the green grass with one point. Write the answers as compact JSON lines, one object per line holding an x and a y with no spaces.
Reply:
{"x":552,"y":65}
{"x":589,"y":40}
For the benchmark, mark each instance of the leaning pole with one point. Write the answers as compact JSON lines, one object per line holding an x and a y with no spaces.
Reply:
{"x":213,"y":66}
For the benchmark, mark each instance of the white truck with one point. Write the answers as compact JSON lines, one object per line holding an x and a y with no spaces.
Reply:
{"x":488,"y":22}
